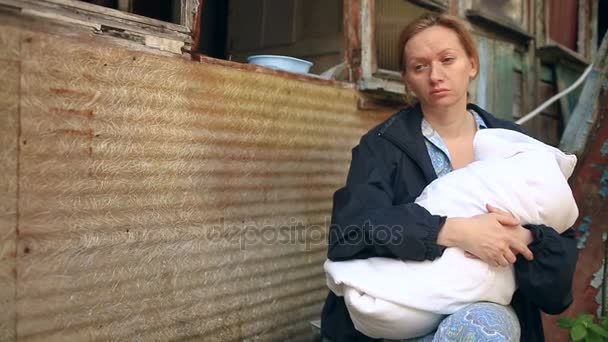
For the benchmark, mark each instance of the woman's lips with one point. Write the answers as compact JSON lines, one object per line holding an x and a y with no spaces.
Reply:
{"x":439,"y":92}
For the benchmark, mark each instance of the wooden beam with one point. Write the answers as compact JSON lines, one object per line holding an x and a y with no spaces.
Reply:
{"x":352,"y":38}
{"x":106,"y":21}
{"x":189,"y":13}
{"x":368,"y":50}
{"x":86,"y":8}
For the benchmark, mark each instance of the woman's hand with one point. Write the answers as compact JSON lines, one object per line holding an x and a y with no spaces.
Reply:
{"x":491,"y":237}
{"x":523,"y":234}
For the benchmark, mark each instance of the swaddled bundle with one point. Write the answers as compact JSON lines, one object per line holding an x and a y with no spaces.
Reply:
{"x":389,"y":298}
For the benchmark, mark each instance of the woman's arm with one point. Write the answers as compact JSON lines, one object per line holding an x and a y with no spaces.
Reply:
{"x":365,"y":222}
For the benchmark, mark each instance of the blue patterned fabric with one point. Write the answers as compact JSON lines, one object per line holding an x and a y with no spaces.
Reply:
{"x":477,"y":322}
{"x":438,"y":151}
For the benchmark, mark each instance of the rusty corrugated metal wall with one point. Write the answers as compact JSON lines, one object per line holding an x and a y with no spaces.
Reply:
{"x":155,"y":198}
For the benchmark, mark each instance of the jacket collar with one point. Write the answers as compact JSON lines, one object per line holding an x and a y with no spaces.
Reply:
{"x":403,"y":130}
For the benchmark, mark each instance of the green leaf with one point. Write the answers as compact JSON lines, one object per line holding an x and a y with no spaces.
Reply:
{"x":578,"y":332}
{"x":585,"y":317}
{"x":566,"y":322}
{"x":598,"y":330}
{"x":605,"y":322}
{"x":592,"y":337}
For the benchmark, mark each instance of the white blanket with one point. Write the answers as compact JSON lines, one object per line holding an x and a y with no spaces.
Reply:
{"x":389,"y":298}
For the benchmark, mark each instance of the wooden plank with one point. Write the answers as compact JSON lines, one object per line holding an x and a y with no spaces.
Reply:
{"x":9,"y":149}
{"x":483,"y":78}
{"x":565,"y":76}
{"x":352,"y":38}
{"x":84,"y":7}
{"x":563,"y":26}
{"x":582,"y":39}
{"x":189,"y":9}
{"x":367,"y":39}
{"x":100,"y":19}
{"x":503,"y":96}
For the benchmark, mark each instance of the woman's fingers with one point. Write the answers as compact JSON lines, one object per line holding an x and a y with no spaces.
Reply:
{"x":510,"y":256}
{"x":522,"y":249}
{"x":470,"y":255}
{"x":502,"y":215}
{"x":502,"y":261}
{"x":509,"y":221}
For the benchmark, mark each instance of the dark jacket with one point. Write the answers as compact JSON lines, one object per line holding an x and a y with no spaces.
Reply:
{"x":390,"y":167}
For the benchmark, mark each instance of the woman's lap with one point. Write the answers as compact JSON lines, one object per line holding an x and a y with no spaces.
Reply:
{"x":477,"y":322}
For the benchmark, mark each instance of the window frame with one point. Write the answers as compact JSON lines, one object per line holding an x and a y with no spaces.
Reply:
{"x":360,"y":44}
{"x":586,"y":40}
{"x":166,"y":36}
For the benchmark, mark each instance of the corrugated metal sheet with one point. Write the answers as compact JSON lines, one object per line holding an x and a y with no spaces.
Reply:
{"x":9,"y":101}
{"x":161,"y":198}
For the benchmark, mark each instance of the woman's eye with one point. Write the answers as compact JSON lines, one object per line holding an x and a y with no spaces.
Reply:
{"x":448,"y":59}
{"x":418,"y":67}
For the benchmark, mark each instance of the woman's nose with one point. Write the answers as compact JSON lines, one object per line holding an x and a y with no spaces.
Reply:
{"x":437,"y":73}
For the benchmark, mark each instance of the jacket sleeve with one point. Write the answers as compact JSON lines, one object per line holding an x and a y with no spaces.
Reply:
{"x":365,"y":221}
{"x":547,"y":280}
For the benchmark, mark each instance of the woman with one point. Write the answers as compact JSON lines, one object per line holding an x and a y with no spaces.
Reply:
{"x":395,"y":161}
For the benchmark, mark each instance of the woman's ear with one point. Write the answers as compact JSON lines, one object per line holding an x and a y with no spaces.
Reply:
{"x":474,"y":69}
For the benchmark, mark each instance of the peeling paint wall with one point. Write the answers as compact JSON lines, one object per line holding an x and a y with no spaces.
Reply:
{"x":157,"y":198}
{"x":589,"y":188}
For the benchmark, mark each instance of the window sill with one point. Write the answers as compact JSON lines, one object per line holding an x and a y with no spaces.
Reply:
{"x":513,"y":29}
{"x":555,"y":53}
{"x":310,"y":78}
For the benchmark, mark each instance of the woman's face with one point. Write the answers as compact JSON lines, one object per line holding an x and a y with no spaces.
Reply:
{"x":437,"y":67}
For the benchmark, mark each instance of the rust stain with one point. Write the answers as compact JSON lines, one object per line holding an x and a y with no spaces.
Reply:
{"x":70,"y":92}
{"x":88,"y":113}
{"x":82,"y":132}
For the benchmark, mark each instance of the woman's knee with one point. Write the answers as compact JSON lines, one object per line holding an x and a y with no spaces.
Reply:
{"x":480,"y":322}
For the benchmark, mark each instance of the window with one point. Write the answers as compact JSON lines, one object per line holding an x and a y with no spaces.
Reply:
{"x":569,"y":25}
{"x":306,"y":29}
{"x":162,"y":24}
{"x":372,"y":35}
{"x":165,"y":10}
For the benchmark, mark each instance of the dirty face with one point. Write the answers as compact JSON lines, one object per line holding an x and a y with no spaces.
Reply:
{"x":437,"y":68}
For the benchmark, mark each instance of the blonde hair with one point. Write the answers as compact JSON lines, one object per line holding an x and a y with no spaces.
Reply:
{"x":460,"y":27}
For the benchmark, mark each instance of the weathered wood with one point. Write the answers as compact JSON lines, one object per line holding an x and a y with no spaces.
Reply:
{"x":504,"y":26}
{"x":86,"y":8}
{"x":101,"y":19}
{"x":367,"y":38}
{"x":503,"y":82}
{"x":352,"y":38}
{"x":188,"y":12}
{"x":576,"y":134}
